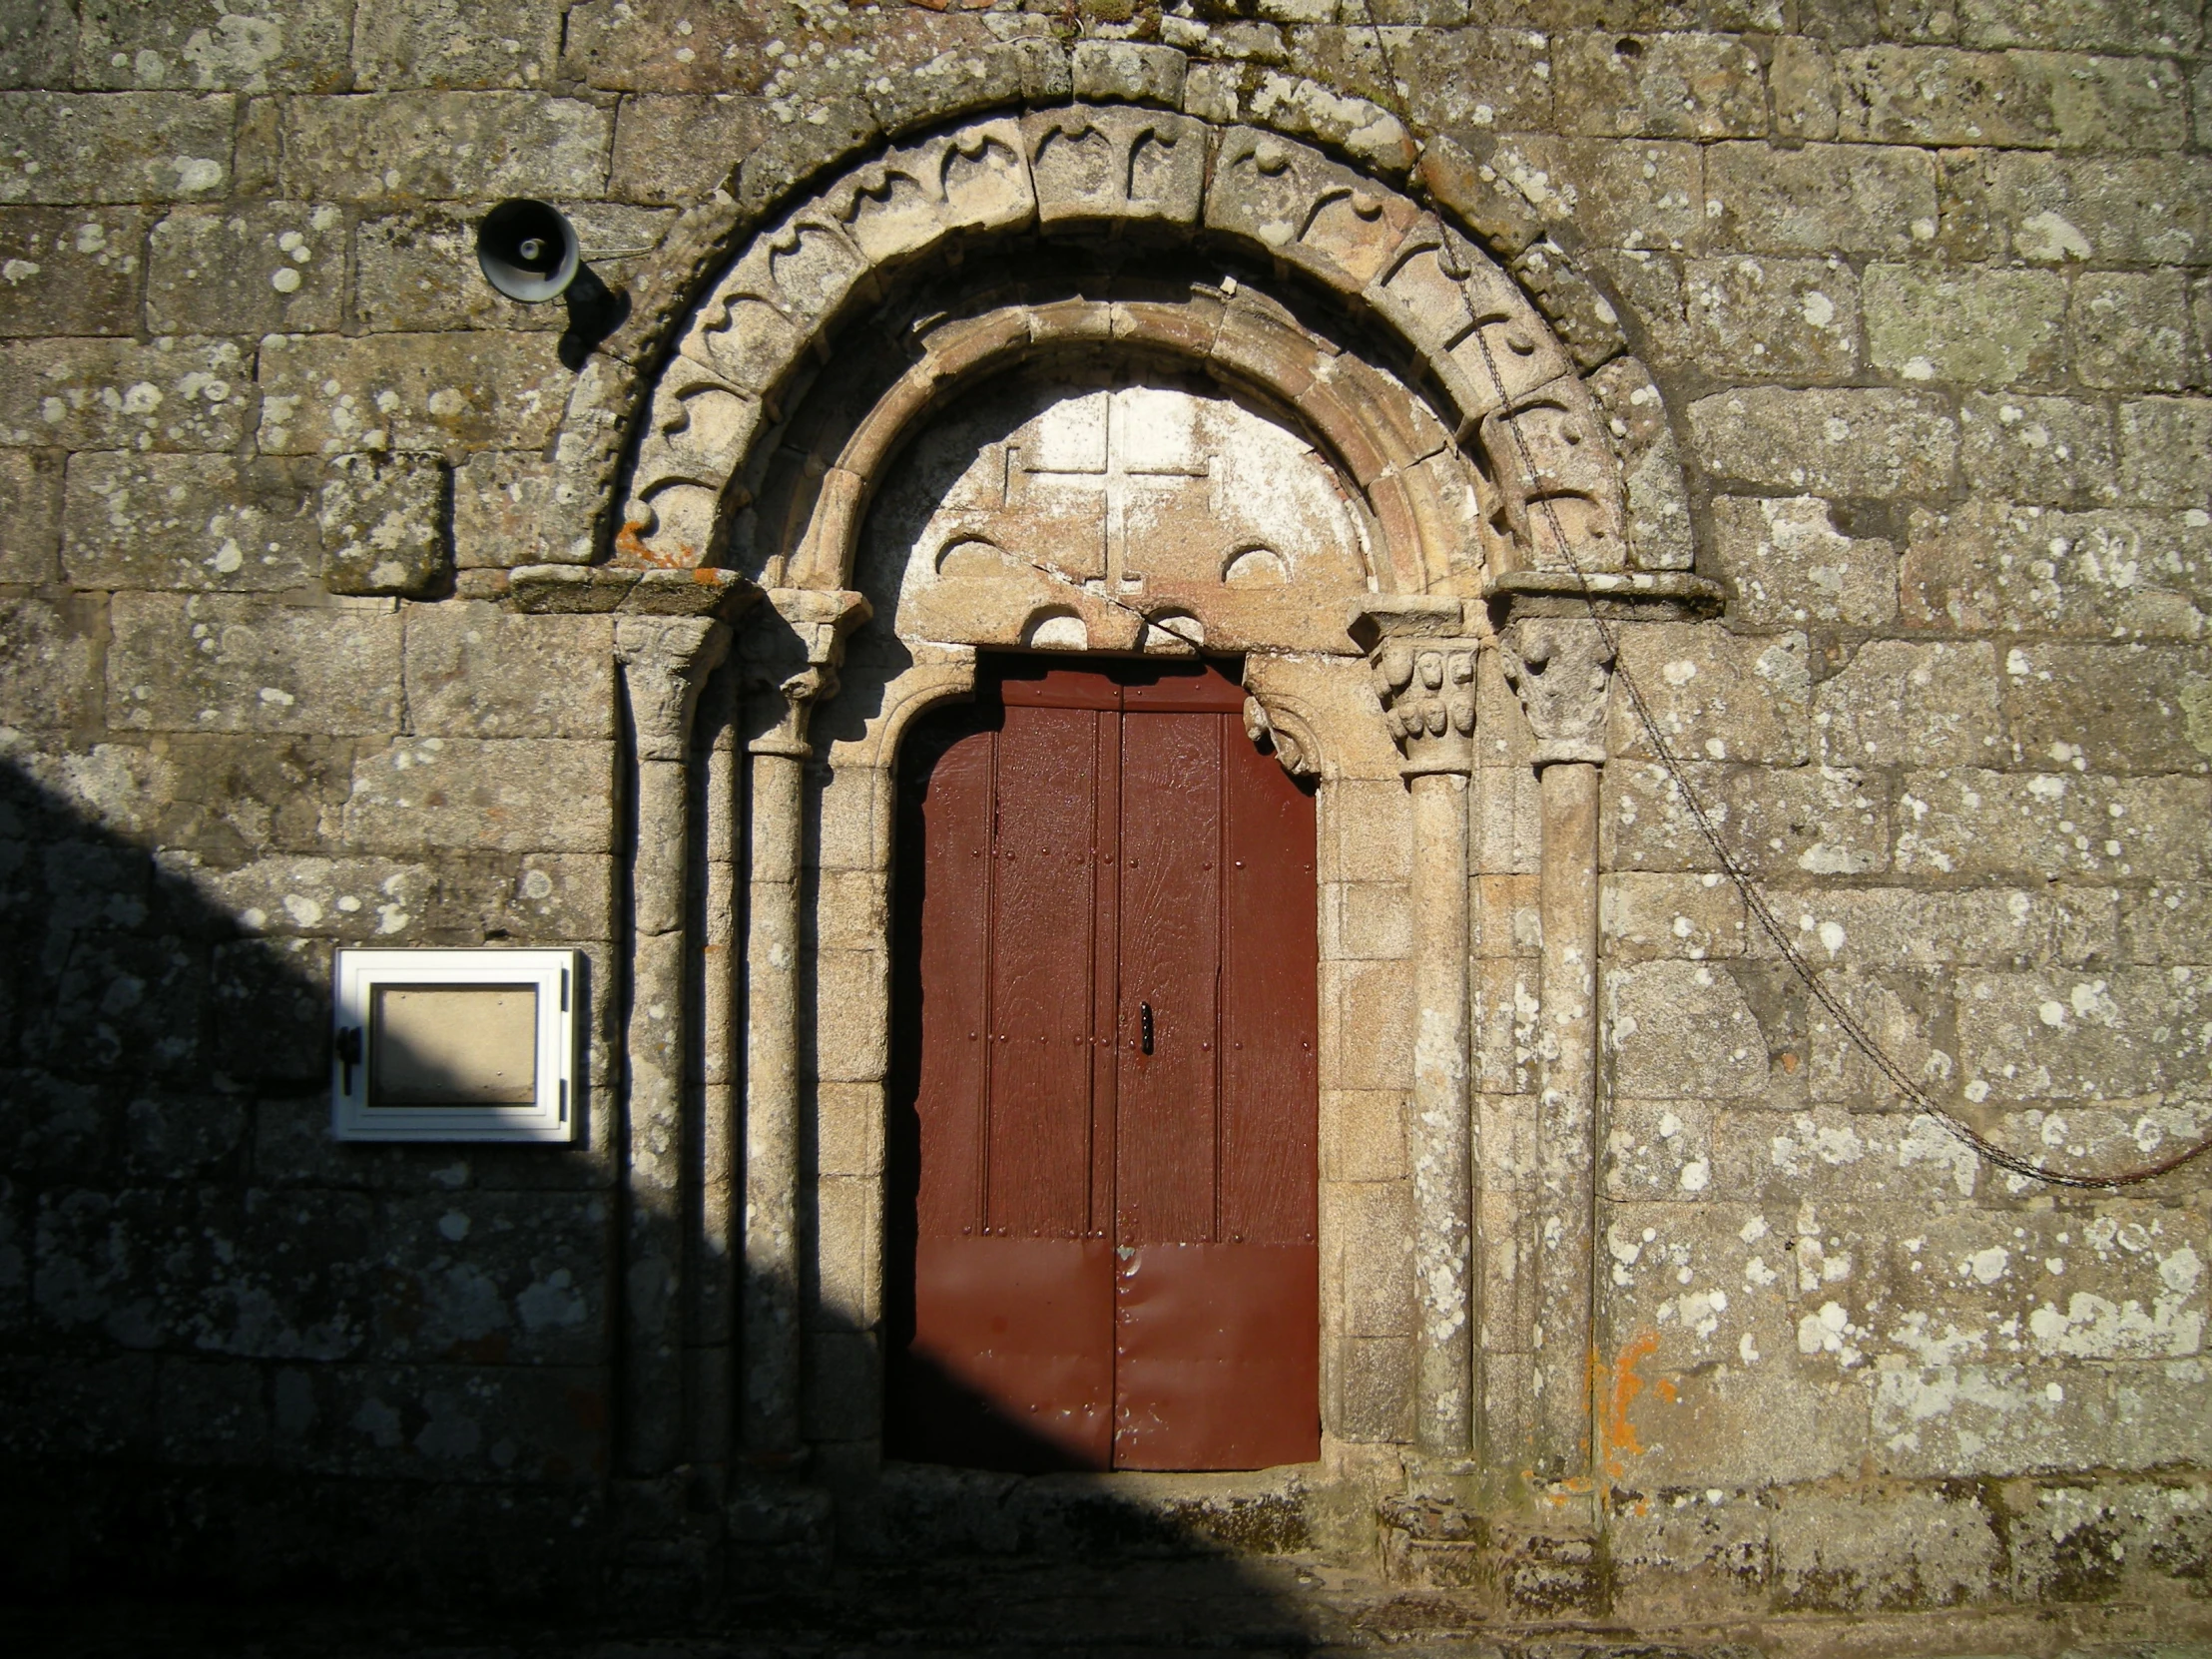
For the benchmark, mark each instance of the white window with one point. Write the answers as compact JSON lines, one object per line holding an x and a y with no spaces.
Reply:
{"x":454,"y":1046}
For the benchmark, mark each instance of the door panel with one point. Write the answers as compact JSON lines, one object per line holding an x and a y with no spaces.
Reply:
{"x":1217,"y":1363}
{"x":1269,"y":1004}
{"x":1114,"y":1262}
{"x":1007,"y":1367}
{"x":1037,"y":1156}
{"x":1166,"y":1124}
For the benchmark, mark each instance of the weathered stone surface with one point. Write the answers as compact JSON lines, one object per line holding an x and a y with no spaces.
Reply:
{"x":30,"y":515}
{"x":257,"y":46}
{"x":2078,"y":25}
{"x":189,"y":521}
{"x":1806,"y":820}
{"x":145,"y":147}
{"x":233,"y":663}
{"x":1897,"y":704}
{"x":1472,"y":80}
{"x":331,"y":396}
{"x":1793,"y":319}
{"x":1934,"y":96}
{"x":2166,"y":452}
{"x":2031,"y":826}
{"x":1688,"y":86}
{"x":51,"y":680}
{"x":1615,"y":194}
{"x":2047,"y":449}
{"x":508,"y":796}
{"x":2092,"y":1034}
{"x":119,"y":394}
{"x":382,"y":524}
{"x":663,"y":46}
{"x":37,"y":42}
{"x":418,"y":271}
{"x":478,"y":670}
{"x":1692,"y":916}
{"x":2115,"y":708}
{"x":1124,"y":72}
{"x":1842,"y":443}
{"x":1860,"y":1553}
{"x":1986,"y":328}
{"x":1910,"y":928}
{"x":2147,"y":210}
{"x":1683,"y":1031}
{"x":70,"y":271}
{"x":1788,"y":565}
{"x":1715,"y":695}
{"x":268,"y":268}
{"x":2133,"y":331}
{"x":502,"y":505}
{"x":1844,"y":199}
{"x":456,"y":43}
{"x":680,"y":149}
{"x":1658,"y":503}
{"x":445,"y":146}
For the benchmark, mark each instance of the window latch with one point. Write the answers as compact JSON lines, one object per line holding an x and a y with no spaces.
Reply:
{"x":347,"y":1044}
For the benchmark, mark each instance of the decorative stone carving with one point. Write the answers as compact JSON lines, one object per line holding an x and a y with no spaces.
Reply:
{"x":1283,"y":734}
{"x":1423,"y":665}
{"x":665,"y":661}
{"x":797,"y":654}
{"x":1563,"y":671}
{"x":1503,"y":374}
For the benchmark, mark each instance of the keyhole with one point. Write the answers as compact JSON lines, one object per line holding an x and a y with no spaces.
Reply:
{"x":1144,"y":1026}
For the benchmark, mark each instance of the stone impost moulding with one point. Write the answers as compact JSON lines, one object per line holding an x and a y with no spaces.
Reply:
{"x":792,"y":652}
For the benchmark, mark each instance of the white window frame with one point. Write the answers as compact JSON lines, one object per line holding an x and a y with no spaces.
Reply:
{"x":548,"y":1119}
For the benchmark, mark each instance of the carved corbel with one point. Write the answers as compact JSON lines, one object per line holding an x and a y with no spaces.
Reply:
{"x":1282,"y":733}
{"x":1562,"y":670}
{"x":665,"y":660}
{"x":795,"y":649}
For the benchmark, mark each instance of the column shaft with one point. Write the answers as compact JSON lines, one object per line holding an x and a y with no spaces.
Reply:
{"x":1566,"y":1142}
{"x":1440,"y":1131}
{"x":771,"y":1340}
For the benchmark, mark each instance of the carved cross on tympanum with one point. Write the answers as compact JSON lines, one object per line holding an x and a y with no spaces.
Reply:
{"x":1135,"y":448}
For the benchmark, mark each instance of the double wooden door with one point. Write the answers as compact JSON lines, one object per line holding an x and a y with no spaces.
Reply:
{"x":1108,"y":914}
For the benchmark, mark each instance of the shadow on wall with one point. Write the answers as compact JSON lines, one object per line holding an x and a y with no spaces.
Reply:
{"x":241,"y":1360}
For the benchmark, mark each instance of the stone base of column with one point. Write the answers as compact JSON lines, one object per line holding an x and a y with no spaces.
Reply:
{"x":1511,"y":1568}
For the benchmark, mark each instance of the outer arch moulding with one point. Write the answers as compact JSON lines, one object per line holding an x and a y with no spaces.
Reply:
{"x":1093,"y":166}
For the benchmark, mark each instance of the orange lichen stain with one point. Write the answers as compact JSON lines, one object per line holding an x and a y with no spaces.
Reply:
{"x":1666,"y":1389}
{"x":631,"y":549}
{"x":1616,"y":1387}
{"x":1789,"y":1061}
{"x":707,"y":575}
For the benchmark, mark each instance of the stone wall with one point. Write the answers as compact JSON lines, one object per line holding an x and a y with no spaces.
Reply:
{"x":1928,"y":294}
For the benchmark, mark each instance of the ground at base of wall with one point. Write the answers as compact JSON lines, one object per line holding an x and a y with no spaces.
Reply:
{"x":1282,"y":1605}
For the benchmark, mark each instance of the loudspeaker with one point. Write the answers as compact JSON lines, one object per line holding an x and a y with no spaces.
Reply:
{"x":528,"y":251}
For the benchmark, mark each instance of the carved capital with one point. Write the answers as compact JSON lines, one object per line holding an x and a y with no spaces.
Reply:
{"x":1562,"y":670}
{"x":794,"y":648}
{"x":1423,"y":660}
{"x":665,"y":660}
{"x":1428,"y":692}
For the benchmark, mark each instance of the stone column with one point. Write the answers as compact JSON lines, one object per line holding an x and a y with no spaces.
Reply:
{"x":663,"y":662}
{"x":793,"y":651}
{"x":717,"y":810}
{"x":1562,"y":670}
{"x":1424,"y":668}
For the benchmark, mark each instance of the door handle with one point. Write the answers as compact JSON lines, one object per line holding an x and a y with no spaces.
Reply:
{"x":1144,"y":1026}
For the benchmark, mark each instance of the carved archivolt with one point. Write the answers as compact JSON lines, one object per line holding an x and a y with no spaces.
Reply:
{"x":1495,"y":371}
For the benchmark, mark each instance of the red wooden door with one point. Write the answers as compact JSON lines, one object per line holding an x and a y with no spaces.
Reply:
{"x":1109,"y":895}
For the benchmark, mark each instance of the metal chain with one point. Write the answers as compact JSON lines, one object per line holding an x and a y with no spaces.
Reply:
{"x":1754,"y":900}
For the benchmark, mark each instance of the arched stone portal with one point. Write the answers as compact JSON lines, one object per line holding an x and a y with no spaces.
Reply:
{"x":1110,"y":380}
